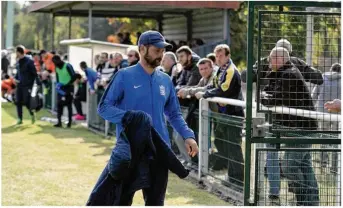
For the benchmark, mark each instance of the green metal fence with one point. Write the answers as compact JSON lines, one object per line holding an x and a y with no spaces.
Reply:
{"x":301,"y":182}
{"x":95,"y":122}
{"x":292,"y":160}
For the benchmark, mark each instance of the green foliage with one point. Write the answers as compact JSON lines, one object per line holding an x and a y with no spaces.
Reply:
{"x":132,"y":26}
{"x":33,"y":30}
{"x":238,"y":35}
{"x":325,"y":40}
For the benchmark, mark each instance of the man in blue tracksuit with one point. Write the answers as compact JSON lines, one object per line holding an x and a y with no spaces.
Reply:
{"x":141,"y":87}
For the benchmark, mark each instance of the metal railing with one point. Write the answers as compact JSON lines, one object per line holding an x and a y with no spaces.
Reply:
{"x":215,"y":133}
{"x":260,"y":148}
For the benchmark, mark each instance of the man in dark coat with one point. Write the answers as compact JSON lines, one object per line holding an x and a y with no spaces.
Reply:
{"x":190,"y":75}
{"x":140,"y":160}
{"x":287,"y":88}
{"x":25,"y":78}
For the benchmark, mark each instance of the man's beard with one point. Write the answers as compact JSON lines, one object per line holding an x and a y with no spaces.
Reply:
{"x":153,"y":63}
{"x":187,"y":63}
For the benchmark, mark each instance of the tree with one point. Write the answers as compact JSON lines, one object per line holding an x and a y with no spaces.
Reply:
{"x":122,"y":25}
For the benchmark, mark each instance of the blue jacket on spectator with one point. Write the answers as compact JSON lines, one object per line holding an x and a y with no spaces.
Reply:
{"x":140,"y":160}
{"x":134,"y":89}
{"x":92,"y":76}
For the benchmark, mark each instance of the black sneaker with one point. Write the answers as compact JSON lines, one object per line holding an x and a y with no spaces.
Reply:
{"x":59,"y":125}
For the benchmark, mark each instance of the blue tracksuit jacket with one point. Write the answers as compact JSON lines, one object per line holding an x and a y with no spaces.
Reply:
{"x":92,"y":76}
{"x":134,"y":89}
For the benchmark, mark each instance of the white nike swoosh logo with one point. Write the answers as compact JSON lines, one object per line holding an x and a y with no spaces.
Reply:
{"x":137,"y":86}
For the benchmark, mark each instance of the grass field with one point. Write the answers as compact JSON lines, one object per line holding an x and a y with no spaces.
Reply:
{"x":42,"y":165}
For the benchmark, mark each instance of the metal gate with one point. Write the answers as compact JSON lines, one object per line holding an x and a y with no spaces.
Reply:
{"x":292,"y":137}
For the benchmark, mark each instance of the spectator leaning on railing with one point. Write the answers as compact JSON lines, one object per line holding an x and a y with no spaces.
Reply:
{"x":227,"y":84}
{"x":287,"y":88}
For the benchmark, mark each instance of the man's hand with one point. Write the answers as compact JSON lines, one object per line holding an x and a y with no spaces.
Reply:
{"x":199,"y":95}
{"x":192,"y":147}
{"x":92,"y":92}
{"x":181,"y":93}
{"x":333,"y":106}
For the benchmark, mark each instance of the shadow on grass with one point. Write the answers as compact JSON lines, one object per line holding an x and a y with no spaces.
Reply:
{"x":15,"y":128}
{"x":76,"y":132}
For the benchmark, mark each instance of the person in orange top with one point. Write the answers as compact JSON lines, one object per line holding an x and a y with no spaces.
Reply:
{"x":7,"y":86}
{"x":36,"y":60}
{"x":47,"y":59}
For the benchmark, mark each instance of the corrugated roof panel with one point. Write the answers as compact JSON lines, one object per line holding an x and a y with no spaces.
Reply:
{"x":175,"y":28}
{"x":208,"y":25}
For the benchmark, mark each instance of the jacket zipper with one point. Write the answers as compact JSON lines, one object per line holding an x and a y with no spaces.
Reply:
{"x":152,"y":101}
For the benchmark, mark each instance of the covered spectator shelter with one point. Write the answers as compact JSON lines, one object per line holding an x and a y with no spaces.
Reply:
{"x":177,"y":20}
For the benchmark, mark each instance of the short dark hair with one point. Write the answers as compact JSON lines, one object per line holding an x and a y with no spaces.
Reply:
{"x":336,"y":67}
{"x":211,"y":56}
{"x":204,"y":61}
{"x":6,"y":76}
{"x":56,"y":58}
{"x":77,"y":76}
{"x":20,"y":49}
{"x":223,"y":47}
{"x":42,"y":52}
{"x":83,"y":65}
{"x":185,"y":49}
{"x":106,"y":54}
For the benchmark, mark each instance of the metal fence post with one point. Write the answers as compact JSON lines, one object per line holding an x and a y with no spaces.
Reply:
{"x":107,"y":126}
{"x":87,"y":104}
{"x":203,"y":138}
{"x":338,"y":175}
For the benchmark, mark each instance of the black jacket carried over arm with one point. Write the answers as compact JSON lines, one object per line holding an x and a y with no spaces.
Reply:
{"x":140,"y":160}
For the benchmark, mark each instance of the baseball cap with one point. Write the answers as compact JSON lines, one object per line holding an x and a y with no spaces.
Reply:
{"x":153,"y":38}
